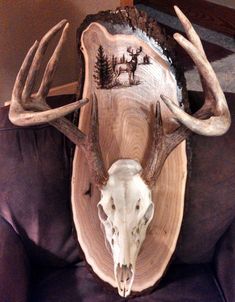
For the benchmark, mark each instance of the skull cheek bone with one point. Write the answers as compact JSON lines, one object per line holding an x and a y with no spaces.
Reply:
{"x":125,"y":211}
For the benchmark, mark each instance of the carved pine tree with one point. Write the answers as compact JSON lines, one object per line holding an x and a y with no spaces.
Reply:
{"x":146,"y":59}
{"x":103,"y":73}
{"x":108,"y":73}
{"x":123,"y":59}
{"x":114,"y":62}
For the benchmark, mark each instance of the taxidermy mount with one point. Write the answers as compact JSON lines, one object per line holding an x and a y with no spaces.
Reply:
{"x":130,"y":163}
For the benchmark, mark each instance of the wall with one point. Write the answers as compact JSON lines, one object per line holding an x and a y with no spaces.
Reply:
{"x":228,"y":3}
{"x":24,"y":21}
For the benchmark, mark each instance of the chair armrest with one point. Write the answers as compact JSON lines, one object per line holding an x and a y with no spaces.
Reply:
{"x":225,"y":263}
{"x":14,"y":266}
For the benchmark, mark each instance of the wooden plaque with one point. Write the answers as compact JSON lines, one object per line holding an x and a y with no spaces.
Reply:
{"x":125,"y":102}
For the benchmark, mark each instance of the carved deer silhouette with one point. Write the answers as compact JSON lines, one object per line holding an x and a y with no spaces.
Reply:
{"x":130,"y":66}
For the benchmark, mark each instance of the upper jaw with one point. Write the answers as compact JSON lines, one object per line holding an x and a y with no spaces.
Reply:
{"x":124,"y":275}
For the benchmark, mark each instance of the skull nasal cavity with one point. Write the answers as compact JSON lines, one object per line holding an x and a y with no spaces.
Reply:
{"x":102,"y":215}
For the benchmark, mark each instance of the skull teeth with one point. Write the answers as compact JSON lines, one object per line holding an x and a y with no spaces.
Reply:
{"x":124,"y":276}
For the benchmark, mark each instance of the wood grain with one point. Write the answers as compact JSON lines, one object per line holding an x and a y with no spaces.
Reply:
{"x":126,"y":2}
{"x":124,"y":133}
{"x":206,"y":14}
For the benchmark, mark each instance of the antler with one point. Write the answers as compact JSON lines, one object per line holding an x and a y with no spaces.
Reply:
{"x":130,"y":50}
{"x":27,"y":109}
{"x":215,"y":100}
{"x":138,"y":50}
{"x":212,"y":119}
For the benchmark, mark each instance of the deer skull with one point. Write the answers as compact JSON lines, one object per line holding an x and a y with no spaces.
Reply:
{"x":125,"y":211}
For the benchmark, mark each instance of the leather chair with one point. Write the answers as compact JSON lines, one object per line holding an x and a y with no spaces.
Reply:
{"x":40,"y":259}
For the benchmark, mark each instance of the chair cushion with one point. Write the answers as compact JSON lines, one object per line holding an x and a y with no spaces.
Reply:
{"x":14,"y":266}
{"x":225,"y":263}
{"x":183,"y":283}
{"x":35,"y":189}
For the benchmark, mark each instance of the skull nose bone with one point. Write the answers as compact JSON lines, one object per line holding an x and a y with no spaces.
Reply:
{"x":124,"y":255}
{"x":124,"y":276}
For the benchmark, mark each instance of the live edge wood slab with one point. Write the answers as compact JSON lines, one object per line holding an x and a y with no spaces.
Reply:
{"x":126,"y":103}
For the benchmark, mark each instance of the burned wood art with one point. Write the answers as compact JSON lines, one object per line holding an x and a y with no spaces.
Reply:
{"x":130,"y":138}
{"x":109,"y":69}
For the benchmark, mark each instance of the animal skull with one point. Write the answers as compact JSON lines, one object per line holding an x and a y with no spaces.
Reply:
{"x":125,"y":211}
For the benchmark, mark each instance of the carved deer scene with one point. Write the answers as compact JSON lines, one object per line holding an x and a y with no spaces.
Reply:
{"x":108,"y":69}
{"x":130,"y":163}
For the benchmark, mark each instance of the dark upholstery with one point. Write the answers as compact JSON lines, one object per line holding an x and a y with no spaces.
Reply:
{"x":225,"y":262}
{"x":39,"y":255}
{"x":194,"y":283}
{"x":210,"y":194}
{"x":14,"y":266}
{"x":35,"y":190}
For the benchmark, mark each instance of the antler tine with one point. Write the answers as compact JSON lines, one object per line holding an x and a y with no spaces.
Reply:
{"x":138,"y":50}
{"x":150,"y":173}
{"x":92,"y":148}
{"x":37,"y":61}
{"x":23,"y":105}
{"x":161,"y":146}
{"x":190,"y":31}
{"x":130,"y":50}
{"x":195,"y":40}
{"x":215,"y":101}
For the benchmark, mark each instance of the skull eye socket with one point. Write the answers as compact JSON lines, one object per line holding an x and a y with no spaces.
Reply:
{"x":102,"y":215}
{"x":137,"y":207}
{"x":149,"y":213}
